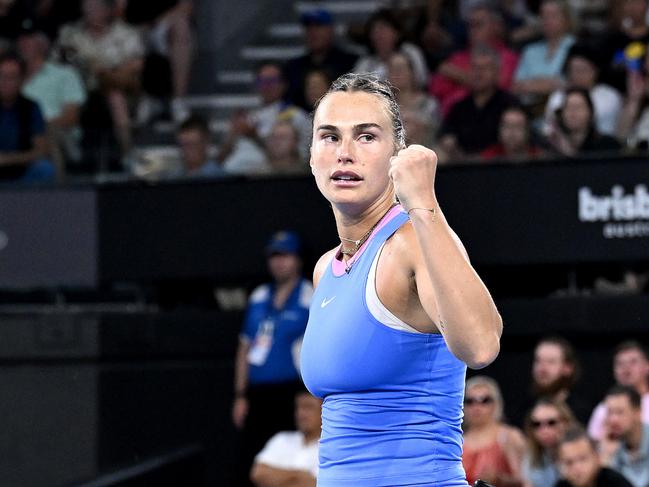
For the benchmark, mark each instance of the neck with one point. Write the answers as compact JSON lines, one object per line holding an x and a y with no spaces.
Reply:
{"x":481,"y":98}
{"x":577,"y":137}
{"x":484,"y":427}
{"x":34,"y":65}
{"x":634,"y":438}
{"x":642,"y":388}
{"x":311,"y":436}
{"x":355,"y":226}
{"x":554,"y":41}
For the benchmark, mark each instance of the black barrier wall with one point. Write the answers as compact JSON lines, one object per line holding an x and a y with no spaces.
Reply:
{"x":560,"y":213}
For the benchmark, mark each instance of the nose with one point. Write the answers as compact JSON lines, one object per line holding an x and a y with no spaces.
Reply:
{"x":345,"y":151}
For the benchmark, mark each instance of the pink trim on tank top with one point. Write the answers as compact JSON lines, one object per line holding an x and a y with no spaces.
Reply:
{"x":339,"y":267}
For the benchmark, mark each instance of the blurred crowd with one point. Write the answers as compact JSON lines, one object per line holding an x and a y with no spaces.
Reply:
{"x":478,"y":80}
{"x":551,"y":431}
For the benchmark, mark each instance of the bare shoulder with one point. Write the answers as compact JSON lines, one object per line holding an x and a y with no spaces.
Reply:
{"x":403,"y":245}
{"x":321,"y":265}
{"x":513,"y":435}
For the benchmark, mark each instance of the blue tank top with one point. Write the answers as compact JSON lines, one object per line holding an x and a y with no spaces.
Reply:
{"x":393,"y":399}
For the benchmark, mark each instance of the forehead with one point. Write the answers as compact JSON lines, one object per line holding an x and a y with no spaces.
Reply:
{"x":549,"y":350}
{"x":343,"y":108}
{"x":618,"y":401}
{"x":480,"y":389}
{"x":577,"y":447}
{"x":544,"y":410}
{"x":630,"y":354}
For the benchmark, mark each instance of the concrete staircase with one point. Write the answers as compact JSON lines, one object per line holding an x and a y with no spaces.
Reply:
{"x":223,"y":80}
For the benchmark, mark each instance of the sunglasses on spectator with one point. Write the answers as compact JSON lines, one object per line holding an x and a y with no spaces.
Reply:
{"x":547,"y":422}
{"x":470,"y":401}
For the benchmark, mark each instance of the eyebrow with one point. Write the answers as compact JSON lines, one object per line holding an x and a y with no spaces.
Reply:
{"x":361,"y":127}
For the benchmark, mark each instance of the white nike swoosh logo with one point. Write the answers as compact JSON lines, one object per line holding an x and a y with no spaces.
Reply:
{"x":326,"y":301}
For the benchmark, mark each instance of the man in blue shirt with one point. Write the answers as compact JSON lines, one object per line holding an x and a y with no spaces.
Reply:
{"x":23,"y":144}
{"x":266,"y":370}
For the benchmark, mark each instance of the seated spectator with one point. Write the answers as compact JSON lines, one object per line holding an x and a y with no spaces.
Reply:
{"x":282,"y":150}
{"x":242,"y":150}
{"x":316,"y":84}
{"x":625,"y":47}
{"x":625,"y":444}
{"x":291,"y":457}
{"x":272,"y":86}
{"x":539,"y":71}
{"x":472,"y":124}
{"x":580,"y":465}
{"x":59,"y":92}
{"x":492,"y":450}
{"x":384,"y":38}
{"x":514,"y":138}
{"x":633,"y":122}
{"x":545,"y":426}
{"x":573,"y":132}
{"x":109,"y":54}
{"x":193,"y":139}
{"x":631,"y":369}
{"x":322,"y":53}
{"x":452,"y":81}
{"x":419,"y":111}
{"x":555,"y":371}
{"x":581,"y":71}
{"x":166,"y":27}
{"x":23,"y":141}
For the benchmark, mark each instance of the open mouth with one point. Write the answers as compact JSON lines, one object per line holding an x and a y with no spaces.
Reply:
{"x":346,"y":177}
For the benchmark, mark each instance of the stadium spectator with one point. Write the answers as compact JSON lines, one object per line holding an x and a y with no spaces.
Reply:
{"x":109,"y":55}
{"x":60,"y":94}
{"x":545,"y":425}
{"x":272,"y":86}
{"x":282,"y":150}
{"x":23,"y":140}
{"x":492,"y":450}
{"x":580,"y":465}
{"x":384,"y":37}
{"x":472,"y":124}
{"x":581,"y":71}
{"x":242,"y":151}
{"x":316,"y":84}
{"x":539,"y":71}
{"x":290,"y":458}
{"x":633,"y":122}
{"x":573,"y":132}
{"x":555,"y":371}
{"x":452,"y":81}
{"x":515,"y":142}
{"x":625,"y":48}
{"x":193,"y":139}
{"x":419,"y":111}
{"x":631,"y":369}
{"x":166,"y":28}
{"x":266,"y":376}
{"x":624,"y":446}
{"x":321,"y":53}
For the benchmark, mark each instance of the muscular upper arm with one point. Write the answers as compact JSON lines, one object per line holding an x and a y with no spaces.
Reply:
{"x":423,"y":281}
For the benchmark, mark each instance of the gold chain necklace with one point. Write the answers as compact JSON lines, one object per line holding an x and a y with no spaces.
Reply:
{"x":363,"y":239}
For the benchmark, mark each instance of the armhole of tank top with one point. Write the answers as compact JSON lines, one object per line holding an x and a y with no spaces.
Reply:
{"x":377,"y":309}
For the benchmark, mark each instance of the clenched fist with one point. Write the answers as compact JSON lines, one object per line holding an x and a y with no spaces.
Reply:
{"x":412,"y":172}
